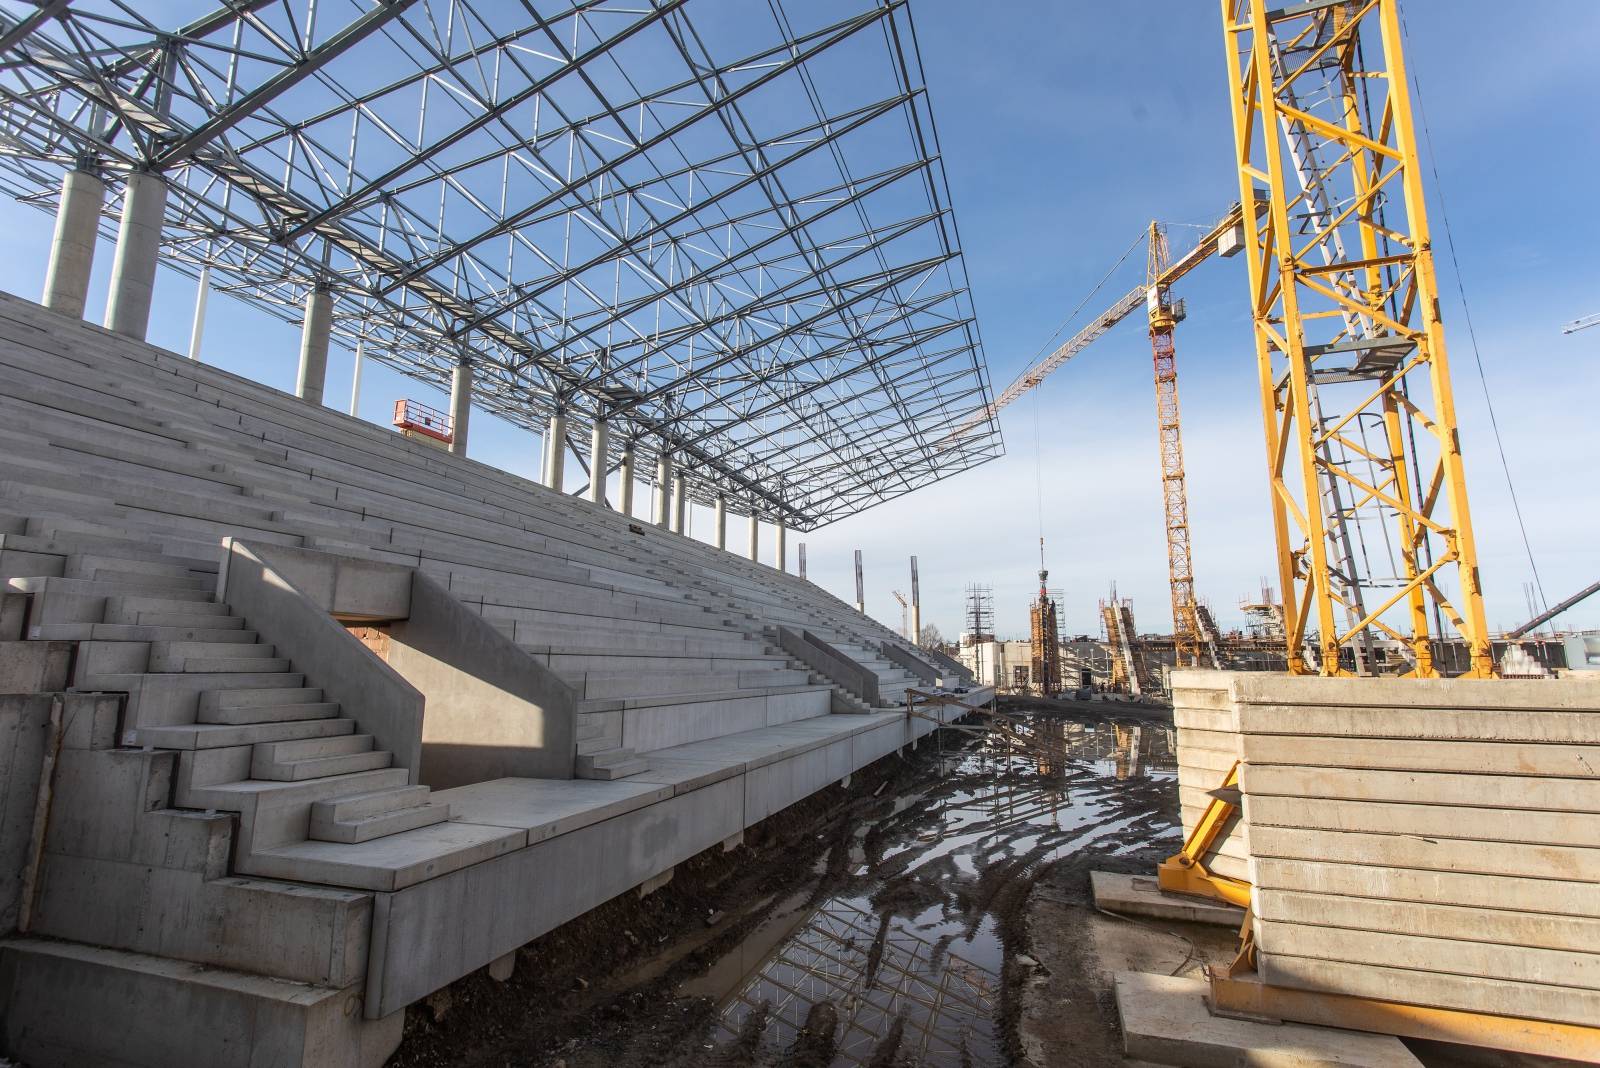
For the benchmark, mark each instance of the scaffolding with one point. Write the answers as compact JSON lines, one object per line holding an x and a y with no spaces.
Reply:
{"x":727,"y":234}
{"x":978,"y":624}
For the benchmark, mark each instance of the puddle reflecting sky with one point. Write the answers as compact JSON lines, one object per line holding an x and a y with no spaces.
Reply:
{"x":906,"y":944}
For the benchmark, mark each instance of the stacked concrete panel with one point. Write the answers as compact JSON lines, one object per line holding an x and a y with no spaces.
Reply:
{"x":1208,"y":746}
{"x":1432,"y":842}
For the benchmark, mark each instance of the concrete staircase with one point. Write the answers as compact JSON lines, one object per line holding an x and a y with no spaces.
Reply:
{"x":251,"y":736}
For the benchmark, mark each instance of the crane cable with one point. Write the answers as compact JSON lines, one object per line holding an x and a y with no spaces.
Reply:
{"x":1472,"y":334}
{"x":1038,"y":450}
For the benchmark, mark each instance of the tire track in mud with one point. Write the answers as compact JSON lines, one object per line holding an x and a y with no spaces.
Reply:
{"x":945,"y":845}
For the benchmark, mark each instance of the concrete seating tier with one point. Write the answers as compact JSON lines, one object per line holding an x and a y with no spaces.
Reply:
{"x":128,"y":466}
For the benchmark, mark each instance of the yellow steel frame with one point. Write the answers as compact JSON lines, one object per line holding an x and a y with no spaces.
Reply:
{"x":1185,"y":871}
{"x":1347,"y":334}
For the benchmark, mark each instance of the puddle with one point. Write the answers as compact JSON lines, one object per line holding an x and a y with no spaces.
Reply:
{"x":902,"y":937}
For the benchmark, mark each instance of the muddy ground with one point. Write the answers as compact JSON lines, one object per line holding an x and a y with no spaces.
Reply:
{"x":942,"y":846}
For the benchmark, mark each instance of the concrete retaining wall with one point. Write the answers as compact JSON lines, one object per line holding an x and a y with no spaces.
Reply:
{"x":1435,"y":842}
{"x":294,"y":594}
{"x":492,"y":710}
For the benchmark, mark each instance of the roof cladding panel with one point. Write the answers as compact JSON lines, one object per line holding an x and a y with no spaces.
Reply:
{"x":721,"y":224}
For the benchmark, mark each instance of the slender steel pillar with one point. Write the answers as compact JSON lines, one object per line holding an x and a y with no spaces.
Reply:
{"x":780,"y":550}
{"x":133,"y":267}
{"x":460,"y":404}
{"x":66,"y":279}
{"x":755,"y":536}
{"x":722,"y":521}
{"x":355,"y":377}
{"x":197,"y":329}
{"x":314,"y":336}
{"x":916,"y":606}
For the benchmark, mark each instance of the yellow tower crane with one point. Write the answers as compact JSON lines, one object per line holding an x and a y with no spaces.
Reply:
{"x":1194,"y":634}
{"x":1356,"y":400}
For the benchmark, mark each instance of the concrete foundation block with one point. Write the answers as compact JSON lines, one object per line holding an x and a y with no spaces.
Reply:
{"x":68,"y":1005}
{"x":1136,"y":895}
{"x":1165,"y":1021}
{"x":655,"y":882}
{"x":500,"y":968}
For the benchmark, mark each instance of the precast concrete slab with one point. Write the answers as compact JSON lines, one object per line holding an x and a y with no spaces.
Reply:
{"x":1137,"y":895}
{"x":1165,"y":1021}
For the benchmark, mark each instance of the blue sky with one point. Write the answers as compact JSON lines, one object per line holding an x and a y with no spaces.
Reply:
{"x":1065,"y":129}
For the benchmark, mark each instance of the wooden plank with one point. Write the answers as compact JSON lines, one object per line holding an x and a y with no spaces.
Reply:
{"x":1413,"y":787}
{"x":1542,"y":930}
{"x":1369,"y":881}
{"x":1433,"y":821}
{"x":1410,"y":851}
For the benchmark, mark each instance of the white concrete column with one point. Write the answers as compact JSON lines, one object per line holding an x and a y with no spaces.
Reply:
{"x":722,"y":521}
{"x":780,"y":550}
{"x":625,"y":477}
{"x":755,"y":536}
{"x":314,"y":335}
{"x":663,"y":491}
{"x":355,"y":377}
{"x":555,"y":450}
{"x":460,"y":405}
{"x":66,"y":279}
{"x":133,"y":267}
{"x":599,"y":457}
{"x":197,"y":329}
{"x":680,"y":503}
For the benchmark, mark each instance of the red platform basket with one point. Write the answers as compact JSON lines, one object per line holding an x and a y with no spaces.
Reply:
{"x":421,"y":419}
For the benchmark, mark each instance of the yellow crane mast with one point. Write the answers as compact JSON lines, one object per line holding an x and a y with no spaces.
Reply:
{"x":1356,"y":400}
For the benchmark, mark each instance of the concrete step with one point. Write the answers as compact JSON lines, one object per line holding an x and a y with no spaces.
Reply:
{"x":135,"y":632}
{"x":68,"y":542}
{"x":175,"y":656}
{"x":215,"y":735}
{"x":288,"y":712}
{"x":372,"y":803}
{"x":139,"y":578}
{"x":247,"y":697}
{"x":316,"y":758}
{"x":221,"y":665}
{"x":167,"y":612}
{"x":611,"y":764}
{"x":89,"y":565}
{"x":327,"y":827}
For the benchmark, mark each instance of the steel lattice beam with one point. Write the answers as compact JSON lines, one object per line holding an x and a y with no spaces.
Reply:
{"x":723,"y":226}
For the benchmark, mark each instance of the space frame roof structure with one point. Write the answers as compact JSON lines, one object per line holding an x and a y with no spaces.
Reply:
{"x":724,"y":224}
